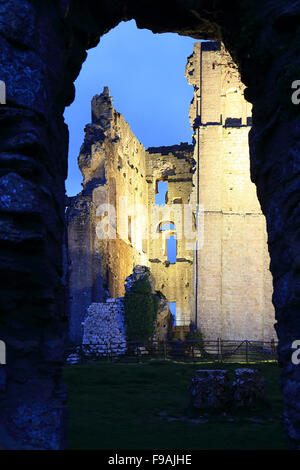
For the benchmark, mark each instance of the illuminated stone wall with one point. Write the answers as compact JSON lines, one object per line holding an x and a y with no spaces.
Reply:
{"x":109,"y":222}
{"x":232,"y":281}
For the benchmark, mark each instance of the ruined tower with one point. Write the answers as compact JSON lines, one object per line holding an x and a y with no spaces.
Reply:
{"x":232,"y":281}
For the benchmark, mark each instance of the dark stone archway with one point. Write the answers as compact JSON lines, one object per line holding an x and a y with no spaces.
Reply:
{"x":43,"y":45}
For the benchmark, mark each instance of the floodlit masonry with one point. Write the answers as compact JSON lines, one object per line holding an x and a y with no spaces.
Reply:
{"x":220,"y":280}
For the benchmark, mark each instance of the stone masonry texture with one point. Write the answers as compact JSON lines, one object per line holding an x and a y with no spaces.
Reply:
{"x":114,"y":224}
{"x":228,"y":291}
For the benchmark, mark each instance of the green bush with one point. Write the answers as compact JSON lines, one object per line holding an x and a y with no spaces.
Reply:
{"x":140,"y":311}
{"x":176,"y":335}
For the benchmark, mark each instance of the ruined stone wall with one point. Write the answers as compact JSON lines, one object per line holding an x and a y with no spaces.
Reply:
{"x":172,"y":164}
{"x":233,"y":284}
{"x":79,"y":263}
{"x":104,"y":328}
{"x":125,"y":189}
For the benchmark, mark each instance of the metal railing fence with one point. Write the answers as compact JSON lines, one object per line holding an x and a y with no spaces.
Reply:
{"x":218,"y":350}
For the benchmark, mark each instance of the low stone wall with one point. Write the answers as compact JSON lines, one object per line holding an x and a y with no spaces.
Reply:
{"x":104,"y":328}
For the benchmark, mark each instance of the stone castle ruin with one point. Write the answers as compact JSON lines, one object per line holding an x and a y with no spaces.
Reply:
{"x":220,"y":279}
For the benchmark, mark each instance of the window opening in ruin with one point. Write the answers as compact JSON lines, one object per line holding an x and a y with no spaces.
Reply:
{"x":166,"y":226}
{"x":171,"y":248}
{"x":162,"y":192}
{"x":172,"y":307}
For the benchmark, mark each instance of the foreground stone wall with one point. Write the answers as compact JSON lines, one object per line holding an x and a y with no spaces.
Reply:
{"x":233,"y":284}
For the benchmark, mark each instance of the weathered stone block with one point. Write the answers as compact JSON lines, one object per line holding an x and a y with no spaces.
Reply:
{"x":104,"y":329}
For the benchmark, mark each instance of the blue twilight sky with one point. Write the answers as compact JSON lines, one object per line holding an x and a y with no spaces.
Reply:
{"x":146,"y":76}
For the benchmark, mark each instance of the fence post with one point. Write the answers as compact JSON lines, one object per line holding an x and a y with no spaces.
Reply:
{"x":247,"y":352}
{"x":220,"y":350}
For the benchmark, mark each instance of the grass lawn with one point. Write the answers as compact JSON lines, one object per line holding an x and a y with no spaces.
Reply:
{"x":133,"y":406}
